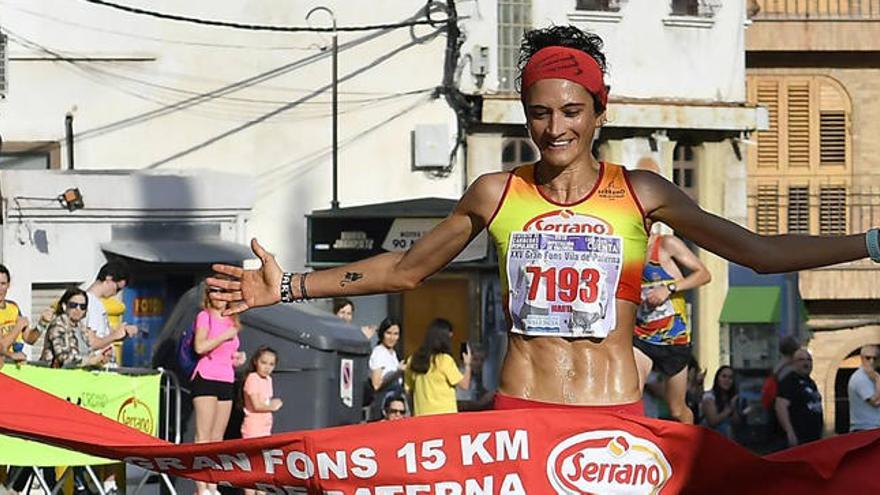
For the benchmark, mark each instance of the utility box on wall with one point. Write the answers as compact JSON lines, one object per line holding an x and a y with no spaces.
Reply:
{"x":430,"y":146}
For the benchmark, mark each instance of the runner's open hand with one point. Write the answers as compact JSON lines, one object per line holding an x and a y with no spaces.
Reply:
{"x":245,"y":289}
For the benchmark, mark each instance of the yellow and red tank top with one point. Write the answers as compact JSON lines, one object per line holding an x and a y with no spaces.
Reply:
{"x":564,"y":265}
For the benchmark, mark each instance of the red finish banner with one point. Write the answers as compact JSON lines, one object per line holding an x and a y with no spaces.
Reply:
{"x":551,"y":451}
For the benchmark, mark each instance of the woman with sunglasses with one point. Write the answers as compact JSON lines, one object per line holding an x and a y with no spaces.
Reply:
{"x":66,"y":344}
{"x":216,"y":342}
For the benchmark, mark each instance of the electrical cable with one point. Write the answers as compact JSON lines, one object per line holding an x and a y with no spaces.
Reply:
{"x":46,"y":17}
{"x":259,"y":27}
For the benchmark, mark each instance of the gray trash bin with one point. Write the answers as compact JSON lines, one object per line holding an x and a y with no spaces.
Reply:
{"x":322,"y":361}
{"x":322,"y":364}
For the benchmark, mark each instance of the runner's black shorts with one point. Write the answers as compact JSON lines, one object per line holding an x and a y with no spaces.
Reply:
{"x":668,"y":359}
{"x":202,"y":387}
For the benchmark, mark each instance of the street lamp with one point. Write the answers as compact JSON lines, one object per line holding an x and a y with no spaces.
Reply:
{"x":334,"y":204}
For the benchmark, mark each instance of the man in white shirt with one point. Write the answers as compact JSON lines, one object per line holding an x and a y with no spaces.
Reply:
{"x":864,"y":392}
{"x":112,"y":278}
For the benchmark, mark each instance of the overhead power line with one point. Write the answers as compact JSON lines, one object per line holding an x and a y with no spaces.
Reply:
{"x":46,"y":17}
{"x":261,"y":27}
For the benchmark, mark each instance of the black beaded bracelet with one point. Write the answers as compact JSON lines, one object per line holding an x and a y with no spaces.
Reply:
{"x":286,"y":289}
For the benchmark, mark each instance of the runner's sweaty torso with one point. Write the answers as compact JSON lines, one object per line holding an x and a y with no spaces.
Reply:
{"x":571,"y":275}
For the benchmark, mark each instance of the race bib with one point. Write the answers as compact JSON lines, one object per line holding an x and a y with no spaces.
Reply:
{"x":647,"y":314}
{"x":563,"y":285}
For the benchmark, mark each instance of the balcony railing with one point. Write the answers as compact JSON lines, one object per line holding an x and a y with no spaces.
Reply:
{"x":835,"y":210}
{"x":799,"y":10}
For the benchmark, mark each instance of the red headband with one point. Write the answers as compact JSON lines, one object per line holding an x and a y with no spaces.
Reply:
{"x":559,"y":62}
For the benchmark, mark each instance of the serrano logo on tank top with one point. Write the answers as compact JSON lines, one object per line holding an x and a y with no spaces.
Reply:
{"x":612,"y":190}
{"x":608,"y":461}
{"x":568,"y":222}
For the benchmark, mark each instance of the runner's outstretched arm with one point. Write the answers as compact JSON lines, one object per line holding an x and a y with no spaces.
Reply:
{"x":665,"y":202}
{"x":388,"y":272}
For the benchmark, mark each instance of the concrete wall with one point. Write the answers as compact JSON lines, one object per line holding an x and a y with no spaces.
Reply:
{"x":268,"y":116}
{"x":45,"y":243}
{"x":652,"y":54}
{"x":829,"y":350}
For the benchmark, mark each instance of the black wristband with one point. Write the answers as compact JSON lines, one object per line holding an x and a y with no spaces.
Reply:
{"x":302,"y":286}
{"x":286,"y":290}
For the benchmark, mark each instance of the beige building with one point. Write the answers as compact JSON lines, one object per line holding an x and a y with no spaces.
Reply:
{"x":816,"y":170}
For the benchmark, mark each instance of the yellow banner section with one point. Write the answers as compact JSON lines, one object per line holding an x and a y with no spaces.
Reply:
{"x":131,"y":399}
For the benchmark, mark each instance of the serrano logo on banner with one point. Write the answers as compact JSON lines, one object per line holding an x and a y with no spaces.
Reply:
{"x":569,"y":222}
{"x":136,"y":414}
{"x":607,"y":461}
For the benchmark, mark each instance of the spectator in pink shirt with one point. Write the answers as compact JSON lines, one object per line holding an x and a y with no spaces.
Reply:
{"x":259,"y":400}
{"x":216,"y":342}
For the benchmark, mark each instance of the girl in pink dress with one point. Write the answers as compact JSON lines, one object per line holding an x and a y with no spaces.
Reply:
{"x":259,"y":403}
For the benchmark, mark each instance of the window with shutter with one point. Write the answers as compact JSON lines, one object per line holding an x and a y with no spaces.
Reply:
{"x":600,"y":5}
{"x":832,"y":138}
{"x":806,"y":148}
{"x":799,"y":210}
{"x":832,"y":210}
{"x":767,"y":211}
{"x":798,"y":102}
{"x":514,"y":18}
{"x":768,"y":141}
{"x":832,"y":125}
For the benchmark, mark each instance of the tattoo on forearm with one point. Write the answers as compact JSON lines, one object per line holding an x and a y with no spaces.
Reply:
{"x":350,"y":278}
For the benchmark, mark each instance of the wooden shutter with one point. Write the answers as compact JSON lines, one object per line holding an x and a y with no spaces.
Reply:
{"x":832,"y":210}
{"x":768,"y":141}
{"x":799,"y":210}
{"x":798,"y":102}
{"x":832,"y":125}
{"x":767,"y":211}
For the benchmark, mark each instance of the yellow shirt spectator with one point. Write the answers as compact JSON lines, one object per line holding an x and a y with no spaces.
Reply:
{"x":9,"y":314}
{"x":434,"y":391}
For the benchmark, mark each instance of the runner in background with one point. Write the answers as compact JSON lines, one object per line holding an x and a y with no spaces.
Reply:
{"x":559,"y":221}
{"x":663,"y":333}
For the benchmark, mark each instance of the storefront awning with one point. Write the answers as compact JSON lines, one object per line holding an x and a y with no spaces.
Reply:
{"x":183,"y":252}
{"x":752,"y":304}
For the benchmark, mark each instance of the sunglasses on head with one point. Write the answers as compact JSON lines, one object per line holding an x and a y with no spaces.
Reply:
{"x":76,"y":305}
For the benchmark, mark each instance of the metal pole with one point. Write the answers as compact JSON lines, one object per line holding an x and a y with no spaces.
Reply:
{"x":335,"y":203}
{"x":68,"y":128}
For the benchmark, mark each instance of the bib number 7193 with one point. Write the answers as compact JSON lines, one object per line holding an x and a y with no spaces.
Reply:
{"x":567,"y":283}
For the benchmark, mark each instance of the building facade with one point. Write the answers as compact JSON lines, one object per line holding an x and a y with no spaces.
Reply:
{"x":423,"y":109}
{"x":814,"y":170}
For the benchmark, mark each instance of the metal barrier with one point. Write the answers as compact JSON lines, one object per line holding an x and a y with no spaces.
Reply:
{"x":169,"y":381}
{"x":171,"y":412}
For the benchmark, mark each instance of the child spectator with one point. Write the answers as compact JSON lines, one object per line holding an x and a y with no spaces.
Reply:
{"x":259,"y":400}
{"x":259,"y":403}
